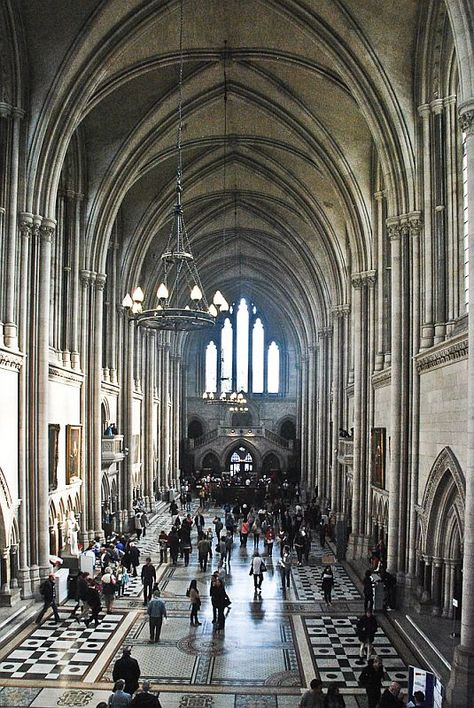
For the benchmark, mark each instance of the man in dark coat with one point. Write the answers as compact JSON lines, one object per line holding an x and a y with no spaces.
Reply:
{"x":366,"y":629}
{"x":148,"y":580}
{"x":145,"y":699}
{"x":391,"y":697}
{"x":48,"y":591}
{"x":127,"y":668}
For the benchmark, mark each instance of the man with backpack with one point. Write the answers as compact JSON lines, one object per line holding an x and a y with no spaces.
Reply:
{"x":48,"y":591}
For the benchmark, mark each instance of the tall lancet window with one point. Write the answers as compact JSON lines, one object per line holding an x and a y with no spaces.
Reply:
{"x":273,"y":368}
{"x":211,"y":367}
{"x":243,"y":347}
{"x":226,"y":357}
{"x":257,"y":356}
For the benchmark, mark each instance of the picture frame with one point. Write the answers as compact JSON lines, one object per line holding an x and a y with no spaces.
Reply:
{"x":53,"y":455}
{"x":73,"y":453}
{"x":378,"y":455}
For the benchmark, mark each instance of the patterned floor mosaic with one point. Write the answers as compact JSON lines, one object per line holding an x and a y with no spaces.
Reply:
{"x":272,"y":646}
{"x":335,"y":651}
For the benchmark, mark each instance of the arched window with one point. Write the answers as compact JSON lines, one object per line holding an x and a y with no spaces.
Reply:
{"x":273,"y":368}
{"x":257,"y":357}
{"x":245,"y":362}
{"x":241,"y":462}
{"x":211,"y":367}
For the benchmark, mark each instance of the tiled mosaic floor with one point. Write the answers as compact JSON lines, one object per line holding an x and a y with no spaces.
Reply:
{"x":273,"y":644}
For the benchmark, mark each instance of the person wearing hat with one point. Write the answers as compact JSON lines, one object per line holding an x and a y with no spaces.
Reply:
{"x":127,"y":668}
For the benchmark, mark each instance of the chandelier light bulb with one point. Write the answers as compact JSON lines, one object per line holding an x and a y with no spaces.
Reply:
{"x":162,"y":293}
{"x":212,"y":310}
{"x":224,"y":305}
{"x":127,"y":301}
{"x":196,"y":294}
{"x":137,"y":308}
{"x":138,"y":295}
{"x":218,"y":299}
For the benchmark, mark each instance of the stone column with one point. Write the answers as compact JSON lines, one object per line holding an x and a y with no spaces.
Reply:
{"x":112,"y":363}
{"x":415,"y":230}
{"x":427,"y":322}
{"x":85,"y":278}
{"x":323,"y":409}
{"x":96,"y":487}
{"x":128,"y":394}
{"x":436,"y":585}
{"x":165,"y":421}
{"x":353,"y":545}
{"x":148,"y":403}
{"x":447,"y":585}
{"x":10,"y":326}
{"x":312,"y":403}
{"x":460,"y":688}
{"x":428,"y":572}
{"x":303,"y":425}
{"x":394,"y":229}
{"x":46,"y":232}
{"x":380,"y":233}
{"x":75,"y":282}
{"x":452,"y":195}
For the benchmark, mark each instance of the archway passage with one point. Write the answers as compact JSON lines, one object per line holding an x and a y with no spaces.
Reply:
{"x":211,"y":465}
{"x":195,"y":429}
{"x":288,"y":430}
{"x":271,"y":467}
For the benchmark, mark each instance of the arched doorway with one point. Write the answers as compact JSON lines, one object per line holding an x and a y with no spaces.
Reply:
{"x":271,"y":466}
{"x":288,"y":429}
{"x":210,"y":465}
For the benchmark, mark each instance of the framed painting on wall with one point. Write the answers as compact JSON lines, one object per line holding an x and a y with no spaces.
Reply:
{"x":378,"y":457}
{"x":53,"y":454}
{"x":73,"y":453}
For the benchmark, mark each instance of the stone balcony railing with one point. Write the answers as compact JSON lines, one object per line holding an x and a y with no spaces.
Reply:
{"x":224,"y":431}
{"x":112,"y":449}
{"x":345,"y":452}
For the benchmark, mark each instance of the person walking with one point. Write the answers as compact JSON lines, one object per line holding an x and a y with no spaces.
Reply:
{"x":368,"y":591}
{"x":244,"y":532}
{"x":186,"y":549}
{"x":327,"y":584}
{"x":371,"y":679}
{"x":220,"y":600}
{"x":144,"y":523}
{"x":137,"y":522}
{"x":156,"y":611}
{"x":48,"y":591}
{"x":203,"y":547}
{"x":257,"y":569}
{"x":173,"y":544}
{"x":92,"y":603}
{"x":163,"y":543}
{"x":148,"y":577}
{"x":127,"y":668}
{"x":229,"y":542}
{"x":256,"y":530}
{"x":81,"y":591}
{"x":269,"y":540}
{"x":195,"y":600}
{"x":299,"y":543}
{"x":366,"y":629}
{"x":119,"y":697}
{"x":285,"y":568}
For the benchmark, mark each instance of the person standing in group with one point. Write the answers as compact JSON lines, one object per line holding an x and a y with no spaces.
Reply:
{"x":244,"y":532}
{"x":285,"y":568}
{"x":119,"y":698}
{"x":366,"y":629}
{"x":156,"y":611}
{"x":127,"y":668}
{"x":269,"y":540}
{"x":48,"y":591}
{"x":144,"y":698}
{"x":229,"y":542}
{"x":371,"y":679}
{"x":256,"y":530}
{"x":108,"y":589}
{"x":333,"y":698}
{"x":186,"y":549}
{"x":195,"y":600}
{"x":92,"y":603}
{"x":327,"y":584}
{"x":148,"y":577}
{"x":123,"y":579}
{"x":392,"y":697}
{"x":313,"y":698}
{"x":134,"y":558}
{"x":257,"y":569}
{"x":220,"y":600}
{"x":173,"y":544}
{"x":81,"y":592}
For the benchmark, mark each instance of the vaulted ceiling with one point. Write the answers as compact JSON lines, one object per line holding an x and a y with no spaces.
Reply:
{"x":320,"y":114}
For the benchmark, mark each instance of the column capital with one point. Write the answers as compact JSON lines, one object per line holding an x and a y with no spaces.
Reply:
{"x":363,"y":279}
{"x":437,"y":106}
{"x":100,"y":279}
{"x":86,"y":277}
{"x":424,"y":110}
{"x":450,"y":100}
{"x":325,"y":333}
{"x":7,"y":110}
{"x":25,"y":224}
{"x":466,"y":121}
{"x":378,"y":196}
{"x":415,"y":223}
{"x":47,"y":229}
{"x":340,"y":311}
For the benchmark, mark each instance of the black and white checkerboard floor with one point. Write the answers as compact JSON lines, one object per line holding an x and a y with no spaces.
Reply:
{"x":61,"y":650}
{"x":335,"y":650}
{"x":307,"y":582}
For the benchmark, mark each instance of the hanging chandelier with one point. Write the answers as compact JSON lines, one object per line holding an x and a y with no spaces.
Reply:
{"x":235,"y":400}
{"x":181,"y":303}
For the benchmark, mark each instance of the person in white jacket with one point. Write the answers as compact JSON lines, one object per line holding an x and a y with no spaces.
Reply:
{"x":257,"y":569}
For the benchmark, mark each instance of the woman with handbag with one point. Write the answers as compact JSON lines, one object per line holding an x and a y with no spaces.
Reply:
{"x":195,"y":600}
